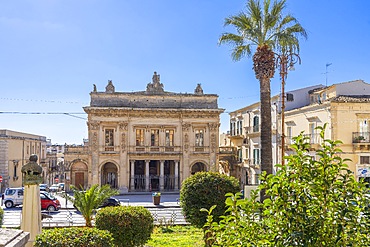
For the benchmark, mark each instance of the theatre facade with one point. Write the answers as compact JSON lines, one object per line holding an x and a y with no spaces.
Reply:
{"x":146,"y":141}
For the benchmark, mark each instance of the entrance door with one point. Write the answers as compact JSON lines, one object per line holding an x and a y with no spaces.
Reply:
{"x":79,"y":180}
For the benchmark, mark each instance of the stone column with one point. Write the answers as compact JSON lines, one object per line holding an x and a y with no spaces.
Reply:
{"x":147,"y":179}
{"x":132,"y":186}
{"x":31,"y":212}
{"x":176,"y":174}
{"x":161,"y":175}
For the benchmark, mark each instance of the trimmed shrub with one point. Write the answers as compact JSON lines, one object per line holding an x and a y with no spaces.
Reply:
{"x":1,"y":216}
{"x":203,"y":190}
{"x":74,"y":237}
{"x":130,"y":225}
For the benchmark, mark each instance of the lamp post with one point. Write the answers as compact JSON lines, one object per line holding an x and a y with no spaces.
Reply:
{"x":282,"y":61}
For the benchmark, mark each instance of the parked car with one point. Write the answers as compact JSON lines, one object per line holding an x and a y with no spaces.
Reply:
{"x":54,"y":188}
{"x":111,"y":202}
{"x":13,"y":197}
{"x":44,"y":187}
{"x":49,"y":202}
{"x":61,"y":186}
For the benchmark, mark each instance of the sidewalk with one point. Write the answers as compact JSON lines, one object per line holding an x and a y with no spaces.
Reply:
{"x":66,"y":204}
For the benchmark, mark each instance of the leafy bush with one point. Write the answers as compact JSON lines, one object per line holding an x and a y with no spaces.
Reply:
{"x":1,"y":216}
{"x":202,"y":190}
{"x":130,"y":225}
{"x":74,"y":237}
{"x":311,"y":201}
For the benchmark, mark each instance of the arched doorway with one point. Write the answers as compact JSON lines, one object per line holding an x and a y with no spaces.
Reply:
{"x":109,"y":175}
{"x":198,"y":167}
{"x":79,"y":175}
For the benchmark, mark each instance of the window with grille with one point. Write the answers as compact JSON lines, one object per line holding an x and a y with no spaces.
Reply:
{"x":364,"y":159}
{"x":199,"y":138}
{"x":140,"y":137}
{"x":169,"y":138}
{"x":154,"y":137}
{"x":109,"y":138}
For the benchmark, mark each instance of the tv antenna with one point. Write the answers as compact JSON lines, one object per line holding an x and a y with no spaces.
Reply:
{"x":326,"y":73}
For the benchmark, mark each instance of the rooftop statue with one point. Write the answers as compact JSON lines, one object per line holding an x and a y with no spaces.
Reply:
{"x":110,"y":88}
{"x":156,"y":86}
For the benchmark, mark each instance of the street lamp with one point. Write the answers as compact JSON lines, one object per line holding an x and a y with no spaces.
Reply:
{"x":282,"y":61}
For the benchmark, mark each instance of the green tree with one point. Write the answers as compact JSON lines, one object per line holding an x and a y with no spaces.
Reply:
{"x":313,"y":201}
{"x":202,"y":190}
{"x":267,"y":28}
{"x":88,"y":201}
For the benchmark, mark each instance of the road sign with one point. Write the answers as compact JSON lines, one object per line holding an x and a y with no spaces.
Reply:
{"x":56,"y":180}
{"x":1,"y":179}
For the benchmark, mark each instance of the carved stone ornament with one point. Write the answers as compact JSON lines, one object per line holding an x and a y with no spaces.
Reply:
{"x":186,"y":126}
{"x":213,"y":126}
{"x":94,"y":125}
{"x":32,"y":171}
{"x":123,"y":126}
{"x":123,"y":142}
{"x":213,"y":143}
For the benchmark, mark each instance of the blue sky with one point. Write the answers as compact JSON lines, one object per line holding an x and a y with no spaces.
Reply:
{"x":53,"y":51}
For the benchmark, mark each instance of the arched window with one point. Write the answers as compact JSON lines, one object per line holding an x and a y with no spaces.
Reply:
{"x":198,"y":167}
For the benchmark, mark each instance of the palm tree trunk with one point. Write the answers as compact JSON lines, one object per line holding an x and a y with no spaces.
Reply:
{"x":266,"y":139}
{"x":266,"y":133}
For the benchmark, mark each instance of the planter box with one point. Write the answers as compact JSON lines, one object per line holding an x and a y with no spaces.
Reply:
{"x":156,"y":200}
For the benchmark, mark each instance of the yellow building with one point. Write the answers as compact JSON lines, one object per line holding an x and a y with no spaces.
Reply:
{"x":15,"y":150}
{"x":146,"y":141}
{"x":346,"y":109}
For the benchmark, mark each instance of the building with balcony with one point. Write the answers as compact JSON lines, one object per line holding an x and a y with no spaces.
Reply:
{"x":345,"y":108}
{"x":15,"y":150}
{"x":245,"y":133}
{"x":146,"y":141}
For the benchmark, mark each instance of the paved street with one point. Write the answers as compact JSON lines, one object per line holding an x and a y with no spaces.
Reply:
{"x":167,"y":212}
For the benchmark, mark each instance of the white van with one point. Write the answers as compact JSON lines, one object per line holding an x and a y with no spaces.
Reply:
{"x":13,"y":197}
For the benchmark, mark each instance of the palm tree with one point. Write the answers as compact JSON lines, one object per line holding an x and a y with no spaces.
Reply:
{"x":270,"y":31}
{"x":88,"y":201}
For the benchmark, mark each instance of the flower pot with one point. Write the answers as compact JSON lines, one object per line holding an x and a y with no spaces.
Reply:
{"x":156,"y":200}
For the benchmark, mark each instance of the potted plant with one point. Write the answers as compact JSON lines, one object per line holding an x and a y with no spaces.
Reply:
{"x":360,"y":138}
{"x":156,"y":198}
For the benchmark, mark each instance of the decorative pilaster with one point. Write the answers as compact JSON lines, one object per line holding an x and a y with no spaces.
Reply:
{"x":161,"y":177}
{"x":147,"y":178}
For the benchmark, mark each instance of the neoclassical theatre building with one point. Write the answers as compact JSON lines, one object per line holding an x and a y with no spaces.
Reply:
{"x":146,"y":141}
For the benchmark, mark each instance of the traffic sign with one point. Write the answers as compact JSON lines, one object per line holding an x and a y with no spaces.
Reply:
{"x":56,"y":180}
{"x":1,"y":179}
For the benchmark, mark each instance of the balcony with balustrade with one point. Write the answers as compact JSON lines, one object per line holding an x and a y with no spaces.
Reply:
{"x":361,"y":140}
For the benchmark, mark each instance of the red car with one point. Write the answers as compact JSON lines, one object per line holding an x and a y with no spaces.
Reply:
{"x":49,"y":202}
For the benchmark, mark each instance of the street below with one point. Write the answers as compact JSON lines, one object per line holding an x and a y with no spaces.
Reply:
{"x":166,"y":213}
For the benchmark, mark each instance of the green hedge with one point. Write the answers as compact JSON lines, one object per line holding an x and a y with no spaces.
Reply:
{"x":203,"y":190}
{"x":74,"y":237}
{"x":1,"y":216}
{"x":130,"y":225}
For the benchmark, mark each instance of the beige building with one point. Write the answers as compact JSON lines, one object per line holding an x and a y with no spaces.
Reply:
{"x":345,"y":107}
{"x":245,"y":135}
{"x":146,"y":141}
{"x":15,"y":150}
